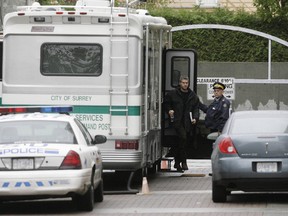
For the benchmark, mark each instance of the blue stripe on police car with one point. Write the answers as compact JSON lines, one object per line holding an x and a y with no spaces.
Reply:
{"x":36,"y":184}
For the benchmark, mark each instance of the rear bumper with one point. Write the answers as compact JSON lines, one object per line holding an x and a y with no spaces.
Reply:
{"x":241,"y":174}
{"x":123,"y":160}
{"x":255,"y":185}
{"x":54,"y":183}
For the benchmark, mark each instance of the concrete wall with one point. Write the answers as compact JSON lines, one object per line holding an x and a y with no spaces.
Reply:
{"x":252,"y":95}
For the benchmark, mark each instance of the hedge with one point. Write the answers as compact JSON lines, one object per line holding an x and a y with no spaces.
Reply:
{"x":223,"y":45}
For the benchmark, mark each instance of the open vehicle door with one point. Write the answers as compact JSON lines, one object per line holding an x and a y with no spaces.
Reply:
{"x":177,"y":62}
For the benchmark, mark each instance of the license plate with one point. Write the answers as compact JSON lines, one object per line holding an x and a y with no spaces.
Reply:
{"x":266,"y":167}
{"x":23,"y":163}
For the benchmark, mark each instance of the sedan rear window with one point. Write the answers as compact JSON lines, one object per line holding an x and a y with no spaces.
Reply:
{"x":36,"y":131}
{"x":268,"y":125}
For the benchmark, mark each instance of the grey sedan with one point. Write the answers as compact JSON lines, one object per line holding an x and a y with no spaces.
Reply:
{"x":251,"y":154}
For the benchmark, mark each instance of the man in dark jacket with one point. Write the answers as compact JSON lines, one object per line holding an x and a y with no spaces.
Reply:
{"x":217,"y":113}
{"x":182,"y":104}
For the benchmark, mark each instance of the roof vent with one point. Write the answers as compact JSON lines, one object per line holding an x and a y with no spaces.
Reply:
{"x":142,"y":12}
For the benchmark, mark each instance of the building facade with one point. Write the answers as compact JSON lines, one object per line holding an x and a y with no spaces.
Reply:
{"x":7,"y":6}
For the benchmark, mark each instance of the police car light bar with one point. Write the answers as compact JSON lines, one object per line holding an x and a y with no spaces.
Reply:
{"x":44,"y":109}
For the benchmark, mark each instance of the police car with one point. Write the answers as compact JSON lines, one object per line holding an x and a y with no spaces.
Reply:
{"x":48,"y":155}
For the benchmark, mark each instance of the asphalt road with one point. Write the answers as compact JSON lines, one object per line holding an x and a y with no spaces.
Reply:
{"x":166,"y":193}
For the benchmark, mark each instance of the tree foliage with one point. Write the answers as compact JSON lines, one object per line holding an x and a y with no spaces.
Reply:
{"x":44,"y":2}
{"x":224,"y":45}
{"x":59,"y":2}
{"x":269,"y":9}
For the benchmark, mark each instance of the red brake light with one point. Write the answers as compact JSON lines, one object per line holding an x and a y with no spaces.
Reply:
{"x":226,"y":146}
{"x":31,"y":109}
{"x":127,"y":144}
{"x":71,"y":161}
{"x":12,"y":110}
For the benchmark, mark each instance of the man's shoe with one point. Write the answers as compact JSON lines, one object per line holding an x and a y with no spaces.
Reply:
{"x":184,"y":166}
{"x":176,"y":164}
{"x":179,"y":169}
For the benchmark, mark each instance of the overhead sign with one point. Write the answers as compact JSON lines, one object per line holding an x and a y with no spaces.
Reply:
{"x":229,"y":82}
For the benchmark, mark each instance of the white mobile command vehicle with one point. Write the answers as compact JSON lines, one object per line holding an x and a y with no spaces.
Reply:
{"x":112,"y":64}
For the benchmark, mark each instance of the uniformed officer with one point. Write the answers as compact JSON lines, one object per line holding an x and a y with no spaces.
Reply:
{"x":217,"y":113}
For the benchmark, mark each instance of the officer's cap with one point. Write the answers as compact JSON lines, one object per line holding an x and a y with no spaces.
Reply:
{"x":219,"y":85}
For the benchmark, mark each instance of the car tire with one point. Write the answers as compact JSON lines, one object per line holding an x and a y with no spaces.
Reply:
{"x":219,"y":193}
{"x":98,"y":193}
{"x":85,"y":202}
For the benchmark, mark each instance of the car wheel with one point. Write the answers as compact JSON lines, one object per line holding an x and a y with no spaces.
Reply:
{"x":98,"y":193}
{"x":219,"y":193}
{"x":85,"y":202}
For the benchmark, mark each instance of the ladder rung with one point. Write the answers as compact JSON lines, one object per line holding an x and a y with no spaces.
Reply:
{"x":119,"y":22}
{"x":119,"y":75}
{"x":119,"y":92}
{"x":118,"y":127}
{"x":116,"y":40}
{"x":125,"y":57}
{"x":119,"y":110}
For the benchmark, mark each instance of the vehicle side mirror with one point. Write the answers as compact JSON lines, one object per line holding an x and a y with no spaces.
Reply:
{"x":213,"y":136}
{"x":98,"y":139}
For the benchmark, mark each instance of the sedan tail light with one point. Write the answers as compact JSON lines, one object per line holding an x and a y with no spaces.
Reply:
{"x":71,"y":161}
{"x":226,"y":146}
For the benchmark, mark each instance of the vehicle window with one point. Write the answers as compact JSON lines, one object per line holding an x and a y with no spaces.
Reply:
{"x":71,"y":59}
{"x":180,"y":67}
{"x":37,"y":131}
{"x":259,"y":125}
{"x":85,"y":132}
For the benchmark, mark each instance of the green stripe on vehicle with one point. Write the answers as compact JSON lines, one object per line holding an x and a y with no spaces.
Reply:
{"x":132,"y":110}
